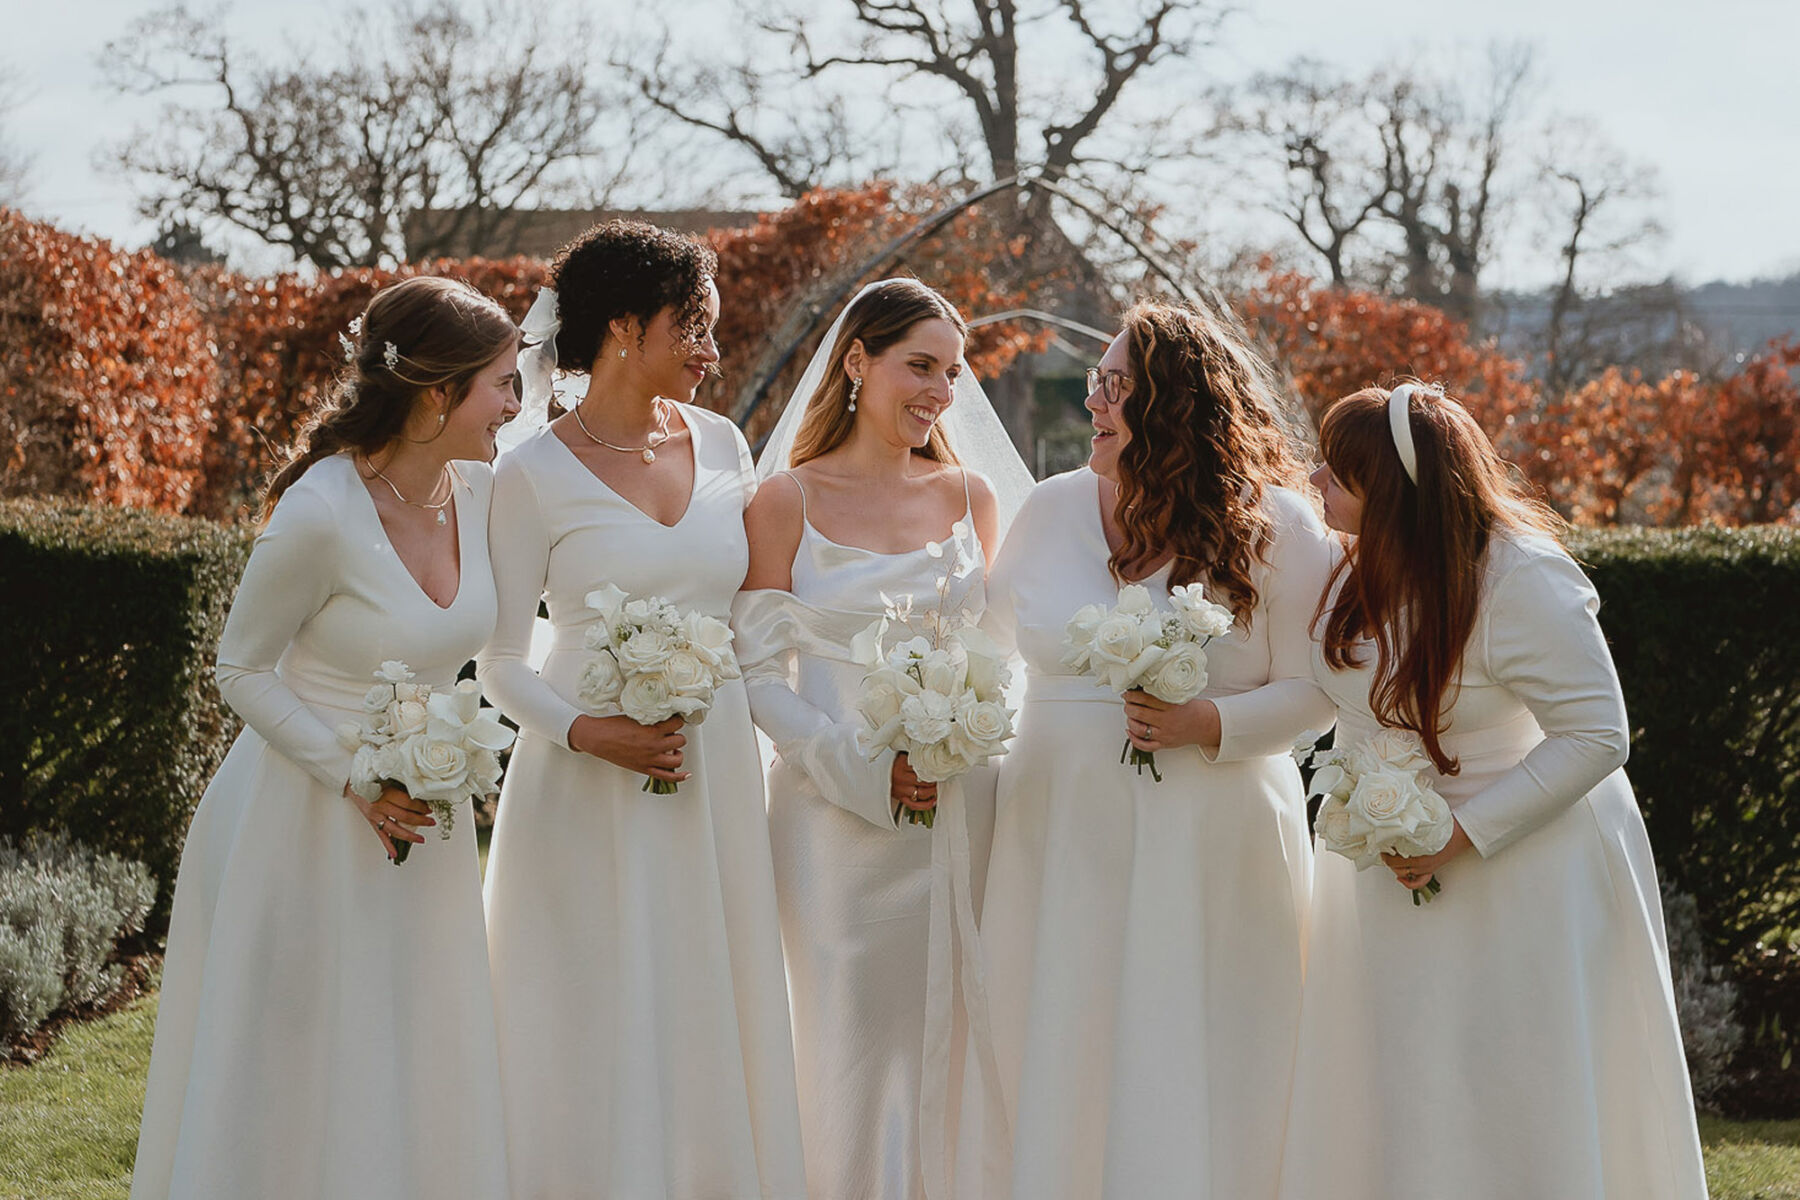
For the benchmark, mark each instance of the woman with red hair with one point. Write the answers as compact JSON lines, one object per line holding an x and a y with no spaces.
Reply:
{"x":1142,"y":938}
{"x":1517,"y":1036}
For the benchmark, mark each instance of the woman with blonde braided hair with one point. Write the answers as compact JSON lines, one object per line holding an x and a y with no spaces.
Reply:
{"x":326,"y":1026}
{"x":1143,"y":938}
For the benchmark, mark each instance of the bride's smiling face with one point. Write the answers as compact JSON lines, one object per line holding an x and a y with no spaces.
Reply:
{"x":907,"y":388}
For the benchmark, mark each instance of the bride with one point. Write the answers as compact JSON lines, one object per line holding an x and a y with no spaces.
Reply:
{"x":868,"y":474}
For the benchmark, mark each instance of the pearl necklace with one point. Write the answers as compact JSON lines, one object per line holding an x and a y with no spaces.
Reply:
{"x":438,"y":508}
{"x":657,"y":437}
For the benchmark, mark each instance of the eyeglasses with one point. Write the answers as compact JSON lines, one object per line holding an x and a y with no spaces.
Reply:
{"x":1113,"y":386}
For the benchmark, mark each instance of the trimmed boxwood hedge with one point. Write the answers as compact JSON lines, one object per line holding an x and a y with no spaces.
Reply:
{"x":1705,"y":627}
{"x":111,"y":724}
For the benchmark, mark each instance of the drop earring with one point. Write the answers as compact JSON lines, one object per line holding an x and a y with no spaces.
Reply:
{"x":855,"y":387}
{"x":621,"y":352}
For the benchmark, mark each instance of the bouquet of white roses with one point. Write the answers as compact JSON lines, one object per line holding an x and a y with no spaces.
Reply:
{"x":1375,"y":803}
{"x":1132,"y":645}
{"x":652,"y":661}
{"x":441,"y":747}
{"x":937,"y":697}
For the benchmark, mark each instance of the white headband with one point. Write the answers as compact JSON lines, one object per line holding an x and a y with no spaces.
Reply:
{"x":1400,"y":425}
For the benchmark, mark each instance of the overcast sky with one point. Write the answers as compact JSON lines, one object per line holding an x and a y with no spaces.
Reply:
{"x":1705,"y":91}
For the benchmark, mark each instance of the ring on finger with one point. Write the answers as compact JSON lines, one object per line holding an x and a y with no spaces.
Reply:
{"x":381,"y":824}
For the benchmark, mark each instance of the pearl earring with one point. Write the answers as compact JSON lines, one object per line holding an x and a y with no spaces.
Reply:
{"x":621,"y":352}
{"x":855,"y":387}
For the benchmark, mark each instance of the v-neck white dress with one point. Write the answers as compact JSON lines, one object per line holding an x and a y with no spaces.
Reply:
{"x":644,"y":1043}
{"x":325,"y":1027}
{"x":1142,"y":939}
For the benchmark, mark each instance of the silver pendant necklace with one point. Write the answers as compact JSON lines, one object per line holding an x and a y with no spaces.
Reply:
{"x":647,"y":451}
{"x":438,"y":508}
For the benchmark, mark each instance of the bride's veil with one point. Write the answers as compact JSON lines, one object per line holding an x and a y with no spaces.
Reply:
{"x":970,"y":424}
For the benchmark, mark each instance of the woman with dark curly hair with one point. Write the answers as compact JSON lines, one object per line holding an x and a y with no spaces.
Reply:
{"x":1518,"y":1035}
{"x":1143,"y":938}
{"x":644,"y":1041}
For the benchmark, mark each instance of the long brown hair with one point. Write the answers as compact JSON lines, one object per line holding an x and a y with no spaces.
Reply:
{"x":879,"y":319}
{"x":442,"y":333}
{"x":1412,"y":579}
{"x":1204,"y":443}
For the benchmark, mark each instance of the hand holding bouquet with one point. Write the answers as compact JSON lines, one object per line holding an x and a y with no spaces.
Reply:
{"x":442,"y":748}
{"x":938,"y":696}
{"x":1132,"y":646}
{"x":652,"y":661}
{"x":1375,"y":803}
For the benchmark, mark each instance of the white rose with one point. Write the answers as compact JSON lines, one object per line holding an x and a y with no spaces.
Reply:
{"x":647,"y":699}
{"x":1202,"y":617}
{"x":431,"y":769}
{"x":411,"y":692}
{"x":1134,"y":600}
{"x":1117,"y":640}
{"x":377,"y":698}
{"x":926,"y":717}
{"x":688,"y":675}
{"x":601,"y":681}
{"x":1333,"y":825}
{"x":981,"y":727}
{"x":710,"y":639}
{"x":1386,"y":800}
{"x":936,"y":762}
{"x":365,"y":777}
{"x":1180,"y":676}
{"x":1434,"y":827}
{"x":942,"y":670}
{"x":484,"y":772}
{"x":1078,"y":635}
{"x":394,"y":671}
{"x":1122,"y":677}
{"x":644,"y":651}
{"x":642,"y":613}
{"x":409,"y":717}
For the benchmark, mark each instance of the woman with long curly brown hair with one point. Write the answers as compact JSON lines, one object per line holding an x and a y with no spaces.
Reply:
{"x":1143,"y":938}
{"x":1517,"y":1036}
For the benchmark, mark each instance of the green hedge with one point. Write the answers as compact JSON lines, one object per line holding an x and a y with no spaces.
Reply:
{"x":112,"y":724}
{"x":1705,"y":628}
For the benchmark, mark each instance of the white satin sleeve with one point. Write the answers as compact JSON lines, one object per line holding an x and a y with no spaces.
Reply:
{"x":1266,"y":720}
{"x":288,"y":579}
{"x":519,"y":548}
{"x":1543,"y":643}
{"x":771,"y":627}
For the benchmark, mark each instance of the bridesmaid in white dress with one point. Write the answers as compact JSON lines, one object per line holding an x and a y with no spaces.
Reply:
{"x":644,"y":1045}
{"x":1517,"y":1035}
{"x":325,"y":1027}
{"x":1143,"y":939}
{"x":842,"y":521}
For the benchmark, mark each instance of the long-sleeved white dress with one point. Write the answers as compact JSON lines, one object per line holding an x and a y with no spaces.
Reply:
{"x":325,"y":1027}
{"x":642,"y":1008}
{"x":1517,"y":1035}
{"x":1143,"y":939}
{"x":878,"y":1026}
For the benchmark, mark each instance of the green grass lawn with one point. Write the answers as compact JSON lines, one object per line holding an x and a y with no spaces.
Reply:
{"x":68,"y":1125}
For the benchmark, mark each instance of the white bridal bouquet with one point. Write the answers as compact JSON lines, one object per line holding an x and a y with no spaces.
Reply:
{"x":652,"y":661}
{"x":442,"y":747}
{"x":1375,"y":803}
{"x":1132,"y":646}
{"x":938,"y":696}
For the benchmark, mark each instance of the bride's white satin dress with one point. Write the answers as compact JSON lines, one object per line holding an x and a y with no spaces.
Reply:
{"x":325,"y":1027}
{"x":1517,"y":1035}
{"x":1143,"y":939}
{"x":642,"y":1010}
{"x":856,"y":887}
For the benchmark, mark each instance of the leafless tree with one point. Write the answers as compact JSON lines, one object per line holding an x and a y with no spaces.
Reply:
{"x":471,"y":116}
{"x":1594,"y":201}
{"x":15,"y":164}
